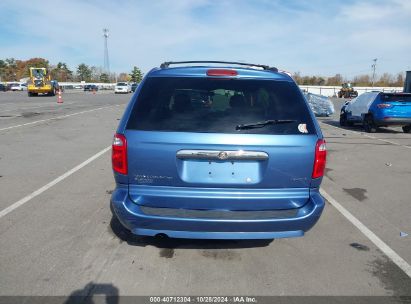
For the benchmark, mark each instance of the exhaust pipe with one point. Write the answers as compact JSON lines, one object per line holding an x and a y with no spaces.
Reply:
{"x":407,"y":83}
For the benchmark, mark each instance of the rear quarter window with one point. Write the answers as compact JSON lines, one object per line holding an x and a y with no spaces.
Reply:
{"x":182,"y":104}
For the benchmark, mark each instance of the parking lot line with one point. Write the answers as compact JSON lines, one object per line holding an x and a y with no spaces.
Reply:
{"x":51,"y":184}
{"x":8,"y":103}
{"x":387,"y":141}
{"x":33,"y":107}
{"x":366,"y":135}
{"x":387,"y":250}
{"x":55,"y":118}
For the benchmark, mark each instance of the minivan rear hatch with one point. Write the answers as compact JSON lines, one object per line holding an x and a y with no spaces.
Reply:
{"x":207,"y":143}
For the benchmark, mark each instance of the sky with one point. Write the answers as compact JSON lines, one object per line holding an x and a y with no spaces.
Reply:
{"x":316,"y":37}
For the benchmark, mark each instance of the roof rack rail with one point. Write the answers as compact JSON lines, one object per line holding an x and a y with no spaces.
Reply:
{"x":166,"y":64}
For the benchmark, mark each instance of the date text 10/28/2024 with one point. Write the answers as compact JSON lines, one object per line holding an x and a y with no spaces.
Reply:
{"x":205,"y":299}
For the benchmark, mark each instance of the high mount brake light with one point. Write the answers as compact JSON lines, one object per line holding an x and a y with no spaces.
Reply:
{"x":221,"y":72}
{"x":119,"y":154}
{"x":320,"y":159}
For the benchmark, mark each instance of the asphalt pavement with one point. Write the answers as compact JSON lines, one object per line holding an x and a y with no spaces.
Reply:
{"x":58,"y":237}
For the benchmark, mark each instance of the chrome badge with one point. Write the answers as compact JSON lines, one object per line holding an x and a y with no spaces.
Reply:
{"x":222,"y":155}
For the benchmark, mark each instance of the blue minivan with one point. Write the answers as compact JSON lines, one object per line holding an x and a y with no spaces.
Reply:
{"x":378,"y":109}
{"x":218,"y":150}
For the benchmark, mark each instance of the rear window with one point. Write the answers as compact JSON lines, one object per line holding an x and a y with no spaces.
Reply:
{"x":121,"y":84}
{"x":396,"y":97}
{"x":219,"y":105}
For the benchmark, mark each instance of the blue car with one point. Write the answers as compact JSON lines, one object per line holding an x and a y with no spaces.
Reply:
{"x":378,"y":109}
{"x":218,"y":150}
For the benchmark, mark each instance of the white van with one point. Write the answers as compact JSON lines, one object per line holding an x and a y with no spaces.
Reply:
{"x":122,"y":87}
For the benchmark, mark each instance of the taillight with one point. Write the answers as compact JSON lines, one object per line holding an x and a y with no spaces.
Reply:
{"x":384,"y":105}
{"x":320,"y":159}
{"x":221,"y":72}
{"x":119,"y":154}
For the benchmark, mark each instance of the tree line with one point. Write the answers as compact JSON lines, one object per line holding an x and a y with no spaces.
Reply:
{"x":14,"y":70}
{"x":384,"y":80}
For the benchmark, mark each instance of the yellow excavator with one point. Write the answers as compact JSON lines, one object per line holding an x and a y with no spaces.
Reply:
{"x":40,"y":83}
{"x":347,"y":91}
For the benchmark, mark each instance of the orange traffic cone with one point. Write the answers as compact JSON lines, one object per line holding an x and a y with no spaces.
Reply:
{"x":94,"y":91}
{"x":59,"y":98}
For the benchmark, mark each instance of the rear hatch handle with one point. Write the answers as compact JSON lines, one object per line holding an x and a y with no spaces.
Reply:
{"x":222,"y":155}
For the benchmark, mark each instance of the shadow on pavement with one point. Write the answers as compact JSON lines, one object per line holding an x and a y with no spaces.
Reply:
{"x":88,"y":294}
{"x":169,"y":243}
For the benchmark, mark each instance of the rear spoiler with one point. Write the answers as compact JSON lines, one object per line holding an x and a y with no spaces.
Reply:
{"x":399,"y":94}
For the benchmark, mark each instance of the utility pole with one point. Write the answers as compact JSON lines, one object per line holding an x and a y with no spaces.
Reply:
{"x":106,"y":60}
{"x":373,"y":66}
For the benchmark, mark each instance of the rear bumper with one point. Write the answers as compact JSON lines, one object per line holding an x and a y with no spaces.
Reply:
{"x":391,"y":121}
{"x":283,"y":224}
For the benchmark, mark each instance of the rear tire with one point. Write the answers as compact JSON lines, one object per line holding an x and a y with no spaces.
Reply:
{"x":406,"y":129}
{"x":369,"y":125}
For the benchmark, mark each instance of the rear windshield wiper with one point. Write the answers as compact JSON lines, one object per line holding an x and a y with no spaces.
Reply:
{"x":262,"y":124}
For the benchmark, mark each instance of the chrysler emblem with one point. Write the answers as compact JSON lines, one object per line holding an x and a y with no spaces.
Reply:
{"x":222,"y":155}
